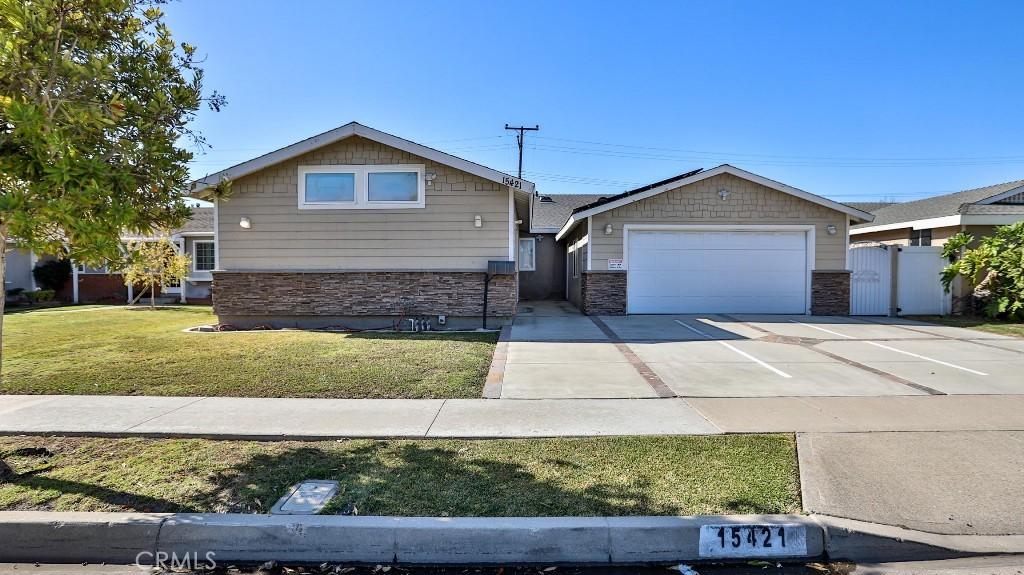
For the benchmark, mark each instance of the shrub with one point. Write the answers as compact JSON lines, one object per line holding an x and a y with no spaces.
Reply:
{"x":52,"y":274}
{"x":995,"y":267}
{"x":40,"y":295}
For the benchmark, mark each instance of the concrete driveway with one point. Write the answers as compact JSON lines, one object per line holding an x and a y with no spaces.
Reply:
{"x":556,"y":352}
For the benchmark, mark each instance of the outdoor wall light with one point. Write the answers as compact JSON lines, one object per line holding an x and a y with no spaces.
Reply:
{"x":723,"y":193}
{"x":478,"y":221}
{"x":831,"y":229}
{"x":607,"y":229}
{"x":244,"y":223}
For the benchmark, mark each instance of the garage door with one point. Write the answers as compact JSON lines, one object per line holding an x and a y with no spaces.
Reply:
{"x":717,"y":272}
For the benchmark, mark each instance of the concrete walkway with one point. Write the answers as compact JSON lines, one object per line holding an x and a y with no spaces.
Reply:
{"x":950,"y":483}
{"x":226,"y":417}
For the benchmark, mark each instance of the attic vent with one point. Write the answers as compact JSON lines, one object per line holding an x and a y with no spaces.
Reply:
{"x":546,"y":199}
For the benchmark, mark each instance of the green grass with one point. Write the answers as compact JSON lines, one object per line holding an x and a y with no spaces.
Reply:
{"x":526,"y":477}
{"x":978,"y":323}
{"x":137,"y":351}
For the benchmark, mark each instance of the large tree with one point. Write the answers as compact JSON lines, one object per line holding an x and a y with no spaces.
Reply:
{"x":95,"y":103}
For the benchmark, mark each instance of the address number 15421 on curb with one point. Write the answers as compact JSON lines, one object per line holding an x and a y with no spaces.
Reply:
{"x":752,"y":541}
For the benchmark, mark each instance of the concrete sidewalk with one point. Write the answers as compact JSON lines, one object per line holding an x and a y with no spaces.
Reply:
{"x":949,"y":483}
{"x":226,"y":417}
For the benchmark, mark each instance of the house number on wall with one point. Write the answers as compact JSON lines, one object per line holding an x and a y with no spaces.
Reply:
{"x":509,"y":181}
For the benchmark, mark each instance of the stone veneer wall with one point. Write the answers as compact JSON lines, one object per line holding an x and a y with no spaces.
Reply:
{"x":830,"y":292}
{"x":362,"y":293}
{"x":603,"y":293}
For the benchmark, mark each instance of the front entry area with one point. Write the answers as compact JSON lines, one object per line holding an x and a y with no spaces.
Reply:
{"x":685,"y":270}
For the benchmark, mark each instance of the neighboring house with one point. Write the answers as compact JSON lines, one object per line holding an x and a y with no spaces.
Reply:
{"x":18,"y":264}
{"x":194,"y":239}
{"x":359,"y":228}
{"x":932,"y":221}
{"x":100,"y":285}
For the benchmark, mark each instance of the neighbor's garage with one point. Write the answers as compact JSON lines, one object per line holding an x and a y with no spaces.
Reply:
{"x":729,"y":271}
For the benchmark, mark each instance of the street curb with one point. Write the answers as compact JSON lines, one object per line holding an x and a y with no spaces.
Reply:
{"x":862,"y":541}
{"x":45,"y":537}
{"x":48,"y":537}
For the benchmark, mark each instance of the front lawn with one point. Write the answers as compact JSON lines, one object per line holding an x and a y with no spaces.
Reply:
{"x":525,"y":477}
{"x":979,"y":323}
{"x":137,"y":351}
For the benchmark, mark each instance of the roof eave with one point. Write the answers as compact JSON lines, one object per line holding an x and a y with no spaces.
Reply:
{"x":724,"y":169}
{"x":200,"y":187}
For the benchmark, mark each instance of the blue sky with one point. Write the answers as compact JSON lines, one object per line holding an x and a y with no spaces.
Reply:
{"x":852,"y":100}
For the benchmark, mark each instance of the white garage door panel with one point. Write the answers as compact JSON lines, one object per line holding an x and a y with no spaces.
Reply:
{"x":717,"y":272}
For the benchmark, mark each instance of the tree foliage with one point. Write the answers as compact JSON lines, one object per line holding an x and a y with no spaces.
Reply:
{"x":154,"y":263}
{"x":95,"y":100}
{"x":995,"y":266}
{"x":95,"y":97}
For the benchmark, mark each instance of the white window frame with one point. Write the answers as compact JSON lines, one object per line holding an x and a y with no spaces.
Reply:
{"x":81,"y":268}
{"x":362,"y":187}
{"x":522,"y":265}
{"x":195,"y":260}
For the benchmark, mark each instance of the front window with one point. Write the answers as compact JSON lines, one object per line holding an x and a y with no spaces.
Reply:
{"x":337,"y":187}
{"x":203,"y":256}
{"x":921,"y":237}
{"x":361,"y":187}
{"x":392,"y":186}
{"x":527,"y":254}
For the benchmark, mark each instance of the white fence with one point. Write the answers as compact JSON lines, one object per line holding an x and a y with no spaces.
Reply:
{"x":910,"y":274}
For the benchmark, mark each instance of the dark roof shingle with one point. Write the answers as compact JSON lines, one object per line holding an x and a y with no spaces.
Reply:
{"x":936,"y":206}
{"x":553,"y":214}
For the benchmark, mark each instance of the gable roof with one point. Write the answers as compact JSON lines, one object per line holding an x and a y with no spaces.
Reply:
{"x":694,"y":176}
{"x":548,"y":216}
{"x":869,"y":207}
{"x":201,"y":185}
{"x":945,"y":205}
{"x":200,"y":223}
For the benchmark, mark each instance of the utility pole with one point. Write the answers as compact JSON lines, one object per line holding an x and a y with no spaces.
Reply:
{"x":519,"y":140}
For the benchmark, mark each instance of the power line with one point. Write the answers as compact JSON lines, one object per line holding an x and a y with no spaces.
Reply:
{"x":791,"y":157}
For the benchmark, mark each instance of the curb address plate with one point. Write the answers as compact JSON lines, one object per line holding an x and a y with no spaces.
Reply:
{"x":752,"y":540}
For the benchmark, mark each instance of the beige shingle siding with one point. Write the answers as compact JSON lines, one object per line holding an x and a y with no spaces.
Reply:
{"x":747,"y":203}
{"x":440,"y":236}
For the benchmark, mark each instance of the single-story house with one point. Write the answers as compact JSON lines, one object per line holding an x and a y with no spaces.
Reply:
{"x":931,"y":221}
{"x":89,"y":284}
{"x":355,"y":227}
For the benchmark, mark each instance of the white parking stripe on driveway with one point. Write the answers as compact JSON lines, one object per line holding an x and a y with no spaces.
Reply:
{"x":774,"y":370}
{"x":822,"y":329}
{"x":694,"y":330}
{"x":931,"y":359}
{"x":778,"y":372}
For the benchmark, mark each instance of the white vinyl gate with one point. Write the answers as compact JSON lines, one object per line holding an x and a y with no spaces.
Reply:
{"x":918,"y":289}
{"x":871,"y":280}
{"x":916,"y":286}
